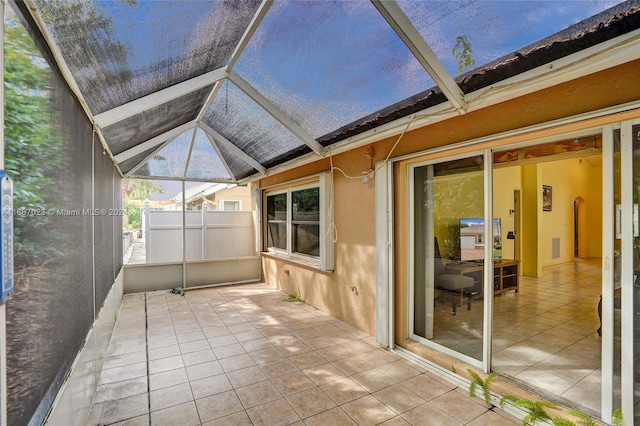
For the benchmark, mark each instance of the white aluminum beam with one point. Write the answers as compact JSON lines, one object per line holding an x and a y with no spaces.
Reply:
{"x":218,"y":138}
{"x":209,"y":101}
{"x":146,"y":145}
{"x":251,"y":29}
{"x":396,"y":18}
{"x":158,"y":98}
{"x":220,"y":156}
{"x":193,"y":141}
{"x":276,"y":113}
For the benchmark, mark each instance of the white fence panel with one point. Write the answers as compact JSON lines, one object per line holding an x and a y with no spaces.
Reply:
{"x":209,"y":235}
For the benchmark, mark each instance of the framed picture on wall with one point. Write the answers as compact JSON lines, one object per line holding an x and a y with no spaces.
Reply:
{"x":546,"y":198}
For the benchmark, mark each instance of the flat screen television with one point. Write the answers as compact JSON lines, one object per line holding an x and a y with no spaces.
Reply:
{"x":472,"y":239}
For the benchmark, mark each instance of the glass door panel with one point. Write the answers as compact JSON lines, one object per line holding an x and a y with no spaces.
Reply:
{"x":449,"y":242}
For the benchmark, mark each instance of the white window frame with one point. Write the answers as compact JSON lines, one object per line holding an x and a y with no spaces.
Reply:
{"x":221,"y":204}
{"x":325,"y":260}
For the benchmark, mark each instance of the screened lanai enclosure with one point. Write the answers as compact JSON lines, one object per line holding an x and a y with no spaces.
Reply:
{"x":226,"y":91}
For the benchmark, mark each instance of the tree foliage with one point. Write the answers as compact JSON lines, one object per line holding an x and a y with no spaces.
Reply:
{"x":31,"y":156}
{"x":463,"y":52}
{"x":139,"y":190}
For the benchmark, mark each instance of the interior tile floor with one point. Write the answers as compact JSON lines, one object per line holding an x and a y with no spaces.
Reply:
{"x":545,"y":336}
{"x":245,"y":355}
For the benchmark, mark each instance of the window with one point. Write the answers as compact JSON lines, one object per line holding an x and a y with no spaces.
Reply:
{"x":296,"y":221}
{"x":229,"y":205}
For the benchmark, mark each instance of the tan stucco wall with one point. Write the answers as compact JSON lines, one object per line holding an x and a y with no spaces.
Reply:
{"x":354,"y":202}
{"x":238,"y":193}
{"x":348,"y":293}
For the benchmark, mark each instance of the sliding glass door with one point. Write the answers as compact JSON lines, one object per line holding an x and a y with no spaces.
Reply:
{"x":626,"y":297}
{"x":450,"y":241}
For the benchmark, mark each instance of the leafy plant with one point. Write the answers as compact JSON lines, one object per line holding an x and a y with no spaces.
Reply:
{"x":617,"y":419}
{"x":537,"y":409}
{"x":482,"y":383}
{"x":462,"y":51}
{"x":295,"y":298}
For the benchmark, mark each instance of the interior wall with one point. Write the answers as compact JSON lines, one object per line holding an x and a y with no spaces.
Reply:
{"x":571,"y":179}
{"x":505,"y":181}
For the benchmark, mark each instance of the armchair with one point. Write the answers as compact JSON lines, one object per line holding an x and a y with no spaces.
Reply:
{"x":453,"y":286}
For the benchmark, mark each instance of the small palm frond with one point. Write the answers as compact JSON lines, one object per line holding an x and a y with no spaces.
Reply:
{"x":584,"y":417}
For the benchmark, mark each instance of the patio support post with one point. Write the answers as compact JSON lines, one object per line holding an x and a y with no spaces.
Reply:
{"x":184,"y":238}
{"x":203,"y":251}
{"x":146,"y":226}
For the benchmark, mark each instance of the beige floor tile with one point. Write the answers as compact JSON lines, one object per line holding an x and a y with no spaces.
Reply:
{"x":125,"y":359}
{"x":256,"y":345}
{"x":163,"y":352}
{"x":399,"y":398}
{"x":431,"y":411}
{"x":352,"y":365}
{"x":165,"y":364}
{"x":125,"y":408}
{"x":278,"y":368}
{"x":195,"y":346}
{"x":307,"y":360}
{"x":401,"y":370}
{"x":236,"y":362}
{"x":228,"y":350}
{"x":217,"y":406}
{"x":206,"y":369}
{"x":368,"y":411}
{"x":343,"y":390}
{"x":292,"y":383}
{"x":257,"y":394}
{"x":168,"y":397}
{"x":373,"y":380}
{"x":246,"y":376}
{"x":136,"y":421}
{"x":198,"y":357}
{"x":127,"y":372}
{"x":210,"y":386}
{"x":277,"y":412}
{"x":324,"y":373}
{"x":122,"y":389}
{"x":265,"y":356}
{"x":334,"y":417}
{"x":238,"y":419}
{"x":190,"y":337}
{"x":184,"y":415}
{"x":310,"y":402}
{"x":223,"y":340}
{"x":492,"y":418}
{"x":167,"y":378}
{"x":459,"y":405}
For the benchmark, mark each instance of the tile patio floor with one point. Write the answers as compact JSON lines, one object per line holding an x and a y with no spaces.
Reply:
{"x":243,"y":355}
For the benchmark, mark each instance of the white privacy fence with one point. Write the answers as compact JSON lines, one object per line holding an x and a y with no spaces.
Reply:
{"x":207,"y":235}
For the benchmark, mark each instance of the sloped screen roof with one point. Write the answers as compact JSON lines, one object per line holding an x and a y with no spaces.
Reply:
{"x":269,"y":82}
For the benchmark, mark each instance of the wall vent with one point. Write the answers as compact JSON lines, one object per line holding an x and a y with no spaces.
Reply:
{"x":555,"y":248}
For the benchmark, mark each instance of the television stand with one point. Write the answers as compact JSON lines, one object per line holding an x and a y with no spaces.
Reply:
{"x":505,"y":275}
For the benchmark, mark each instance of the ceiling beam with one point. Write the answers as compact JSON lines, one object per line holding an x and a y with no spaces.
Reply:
{"x":276,"y":113}
{"x":251,"y":29}
{"x":193,"y":141}
{"x":160,"y":97}
{"x":153,"y":142}
{"x":209,"y":101}
{"x":214,"y":145}
{"x":397,"y":19}
{"x":218,"y":138}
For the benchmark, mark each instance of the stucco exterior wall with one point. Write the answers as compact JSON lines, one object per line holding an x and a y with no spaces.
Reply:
{"x":348,"y":293}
